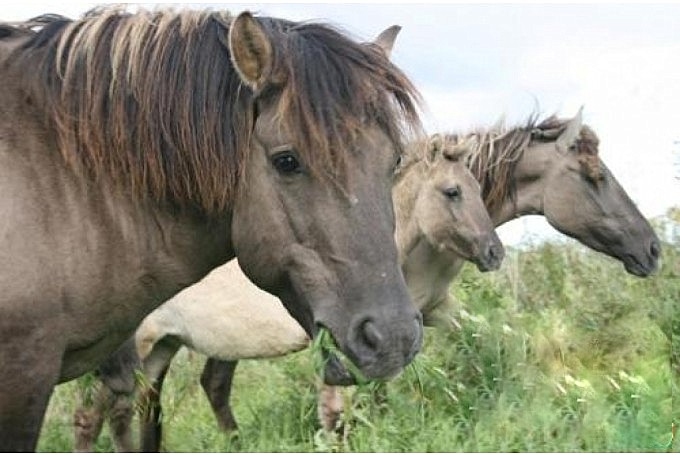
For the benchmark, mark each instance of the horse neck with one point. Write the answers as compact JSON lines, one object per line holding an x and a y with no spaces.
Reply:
{"x":96,"y":214}
{"x":113,"y":259}
{"x":529,"y":178}
{"x":160,"y":244}
{"x":428,"y":272}
{"x":405,"y":194}
{"x":170,"y":248}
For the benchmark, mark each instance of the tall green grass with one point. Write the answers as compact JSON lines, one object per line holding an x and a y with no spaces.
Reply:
{"x":560,"y":350}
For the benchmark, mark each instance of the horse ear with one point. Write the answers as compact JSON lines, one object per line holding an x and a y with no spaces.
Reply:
{"x":385,"y":40}
{"x":434,"y":145}
{"x":251,"y":50}
{"x":571,"y":132}
{"x":461,"y":150}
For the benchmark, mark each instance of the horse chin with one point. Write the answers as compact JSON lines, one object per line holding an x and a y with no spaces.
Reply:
{"x":336,"y":374}
{"x":636,"y":267}
{"x":635,"y":264}
{"x":483,"y":264}
{"x":487,"y":265}
{"x":346,"y":368}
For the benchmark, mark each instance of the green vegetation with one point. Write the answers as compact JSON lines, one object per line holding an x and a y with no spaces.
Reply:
{"x":561,"y":350}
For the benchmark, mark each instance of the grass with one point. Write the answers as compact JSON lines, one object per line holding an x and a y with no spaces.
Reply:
{"x":558,"y":351}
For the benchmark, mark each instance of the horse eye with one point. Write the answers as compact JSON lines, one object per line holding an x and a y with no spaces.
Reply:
{"x":453,"y":193}
{"x":286,"y":163}
{"x":397,"y":164}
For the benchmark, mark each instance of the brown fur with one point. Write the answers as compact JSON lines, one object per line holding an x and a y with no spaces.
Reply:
{"x":116,"y":119}
{"x":588,"y":144}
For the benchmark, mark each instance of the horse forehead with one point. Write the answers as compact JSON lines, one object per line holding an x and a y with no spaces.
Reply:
{"x":457,"y":170}
{"x":273,"y":125}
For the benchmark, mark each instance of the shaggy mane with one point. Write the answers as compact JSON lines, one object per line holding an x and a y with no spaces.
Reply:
{"x":151,"y":100}
{"x":499,"y":149}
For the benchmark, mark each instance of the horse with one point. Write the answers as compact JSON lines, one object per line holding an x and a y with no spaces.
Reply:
{"x":139,"y":151}
{"x":435,"y":197}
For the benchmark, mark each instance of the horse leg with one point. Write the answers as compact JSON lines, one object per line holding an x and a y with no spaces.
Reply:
{"x":118,"y":376}
{"x":216,"y":382}
{"x":88,"y":421}
{"x":114,"y":400}
{"x":30,"y":361}
{"x":89,"y":418}
{"x":23,"y":409}
{"x":151,"y":427}
{"x":330,"y":404}
{"x":156,"y":366}
{"x":122,"y":411}
{"x":330,"y":407}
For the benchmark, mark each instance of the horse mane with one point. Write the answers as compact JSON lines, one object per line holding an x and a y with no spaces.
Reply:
{"x":424,"y":151}
{"x":494,"y":160}
{"x":152,"y":102}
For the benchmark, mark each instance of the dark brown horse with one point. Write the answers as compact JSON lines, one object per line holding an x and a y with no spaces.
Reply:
{"x":140,"y":151}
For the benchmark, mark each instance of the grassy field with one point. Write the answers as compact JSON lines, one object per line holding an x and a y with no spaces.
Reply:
{"x":558,"y":351}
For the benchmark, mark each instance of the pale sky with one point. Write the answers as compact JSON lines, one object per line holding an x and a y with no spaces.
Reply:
{"x":475,"y":62}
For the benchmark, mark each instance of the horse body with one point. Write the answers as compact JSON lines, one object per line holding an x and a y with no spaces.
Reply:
{"x":119,"y":188}
{"x":226,"y":325}
{"x":93,"y":231}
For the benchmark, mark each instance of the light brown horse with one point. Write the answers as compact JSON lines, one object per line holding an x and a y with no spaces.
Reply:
{"x":140,"y":151}
{"x":436,"y":197}
{"x":551,"y":168}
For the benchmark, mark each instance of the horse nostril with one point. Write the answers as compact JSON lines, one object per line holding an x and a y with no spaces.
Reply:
{"x":655,"y":249}
{"x":370,"y":334}
{"x":495,"y":252}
